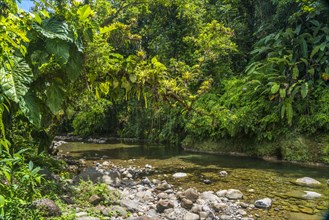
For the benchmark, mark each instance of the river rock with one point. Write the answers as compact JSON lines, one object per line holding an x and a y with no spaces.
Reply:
{"x":203,"y":215}
{"x":263,"y":203}
{"x":89,"y":173}
{"x":221,"y":193}
{"x":223,"y":173}
{"x":81,"y":214}
{"x":307,"y":181}
{"x":209,"y":196}
{"x":113,"y":211}
{"x":163,"y":186}
{"x":163,"y":195}
{"x":131,"y":205}
{"x":47,"y":206}
{"x":87,"y":218}
{"x":190,"y":194}
{"x":225,"y":217}
{"x":220,"y":207}
{"x":311,"y":195}
{"x":186,"y":203}
{"x":196,"y":208}
{"x":163,"y":205}
{"x":207,"y":181}
{"x":234,"y":194}
{"x":191,"y":216}
{"x":95,"y":199}
{"x":179,"y":175}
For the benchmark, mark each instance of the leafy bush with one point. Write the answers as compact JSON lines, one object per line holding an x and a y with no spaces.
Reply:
{"x":91,"y":119}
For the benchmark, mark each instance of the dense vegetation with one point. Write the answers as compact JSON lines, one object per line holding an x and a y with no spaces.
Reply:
{"x":160,"y":70}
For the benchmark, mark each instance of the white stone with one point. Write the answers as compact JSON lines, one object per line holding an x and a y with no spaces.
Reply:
{"x":234,"y":194}
{"x":223,"y":173}
{"x":81,"y":214}
{"x":307,"y":181}
{"x":263,"y":203}
{"x":311,"y":195}
{"x":179,"y":175}
{"x":221,"y":193}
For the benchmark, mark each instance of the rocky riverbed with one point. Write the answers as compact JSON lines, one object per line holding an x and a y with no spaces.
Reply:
{"x":138,"y":197}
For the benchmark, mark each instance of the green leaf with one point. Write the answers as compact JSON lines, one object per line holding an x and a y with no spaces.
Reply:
{"x":14,"y":82}
{"x":73,"y":67}
{"x":133,"y":78}
{"x":275,"y":88}
{"x":55,"y":95}
{"x":289,"y":112}
{"x":104,"y":87}
{"x":304,"y":48}
{"x":295,"y":72}
{"x":84,"y":12}
{"x":31,"y":165}
{"x":311,"y":71}
{"x":304,"y":90}
{"x":59,"y":48}
{"x":282,"y":93}
{"x":2,"y":201}
{"x":314,"y":51}
{"x":33,"y":108}
{"x":37,"y":18}
{"x":55,"y":28}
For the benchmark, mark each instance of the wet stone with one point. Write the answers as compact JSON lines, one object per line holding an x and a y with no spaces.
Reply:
{"x":307,"y":181}
{"x":263,"y":203}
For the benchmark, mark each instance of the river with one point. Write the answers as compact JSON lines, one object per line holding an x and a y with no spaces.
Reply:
{"x":255,"y":178}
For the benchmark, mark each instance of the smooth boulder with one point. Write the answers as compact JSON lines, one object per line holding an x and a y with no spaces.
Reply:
{"x":263,"y":203}
{"x":307,"y":181}
{"x":179,"y":175}
{"x":311,"y":195}
{"x":234,"y":194}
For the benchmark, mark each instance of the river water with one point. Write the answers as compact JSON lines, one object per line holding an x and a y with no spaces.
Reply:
{"x":255,"y":178}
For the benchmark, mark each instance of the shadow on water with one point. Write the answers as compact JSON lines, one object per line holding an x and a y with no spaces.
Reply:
{"x":126,"y":152}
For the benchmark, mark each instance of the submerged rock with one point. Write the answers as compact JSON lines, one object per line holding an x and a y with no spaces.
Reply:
{"x":307,"y":181}
{"x":179,"y":175}
{"x":207,"y":181}
{"x":311,"y":195}
{"x":263,"y":203}
{"x":223,"y":173}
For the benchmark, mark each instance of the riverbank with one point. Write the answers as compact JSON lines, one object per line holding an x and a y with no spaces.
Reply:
{"x":298,"y":149}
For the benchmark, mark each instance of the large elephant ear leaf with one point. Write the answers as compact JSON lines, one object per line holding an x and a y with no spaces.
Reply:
{"x":55,"y":28}
{"x":14,"y":82}
{"x":60,"y":48}
{"x":55,"y":95}
{"x":33,"y":109}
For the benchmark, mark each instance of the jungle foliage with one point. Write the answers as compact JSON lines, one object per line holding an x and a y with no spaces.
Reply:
{"x":158,"y":70}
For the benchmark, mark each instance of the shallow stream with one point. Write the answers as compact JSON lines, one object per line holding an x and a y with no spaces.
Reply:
{"x":255,"y":178}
